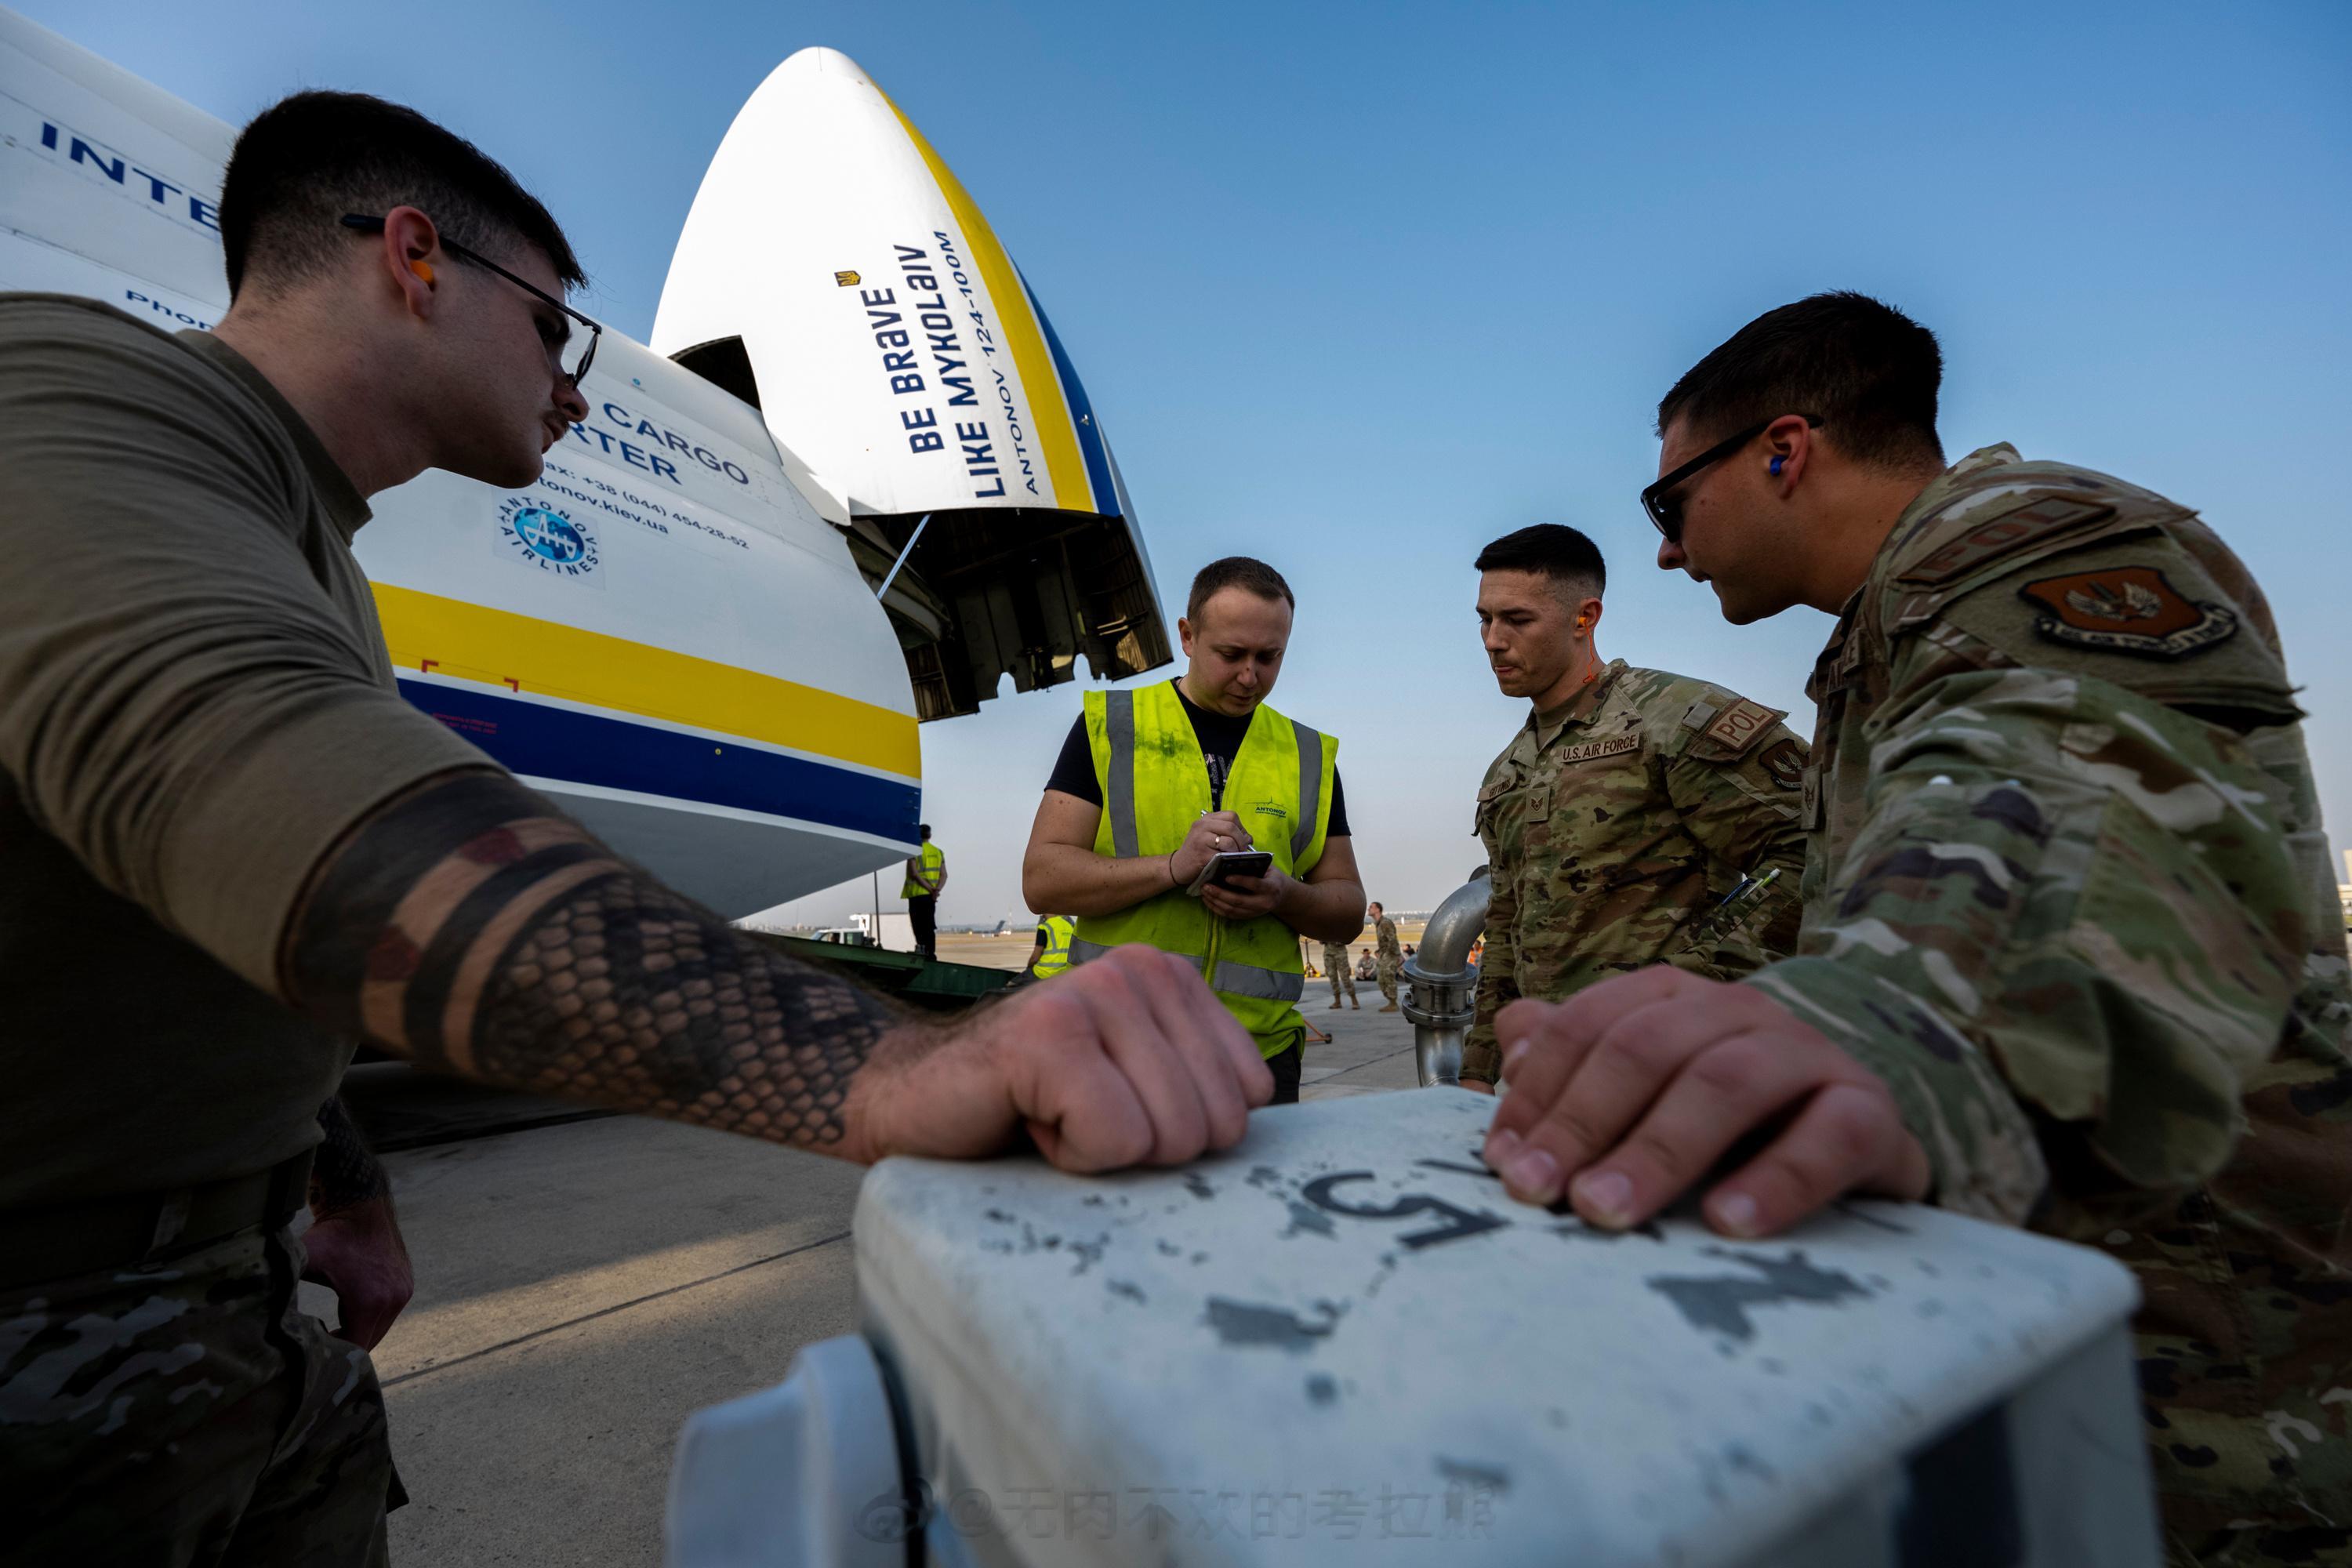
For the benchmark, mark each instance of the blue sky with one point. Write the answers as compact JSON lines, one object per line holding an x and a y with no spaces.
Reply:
{"x":1359,"y":288}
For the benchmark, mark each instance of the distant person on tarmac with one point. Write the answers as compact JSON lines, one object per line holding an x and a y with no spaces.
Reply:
{"x":1386,"y":957}
{"x":1050,"y":956}
{"x":926,"y":874}
{"x":1155,"y":782}
{"x":208,"y":780}
{"x":1335,"y":964}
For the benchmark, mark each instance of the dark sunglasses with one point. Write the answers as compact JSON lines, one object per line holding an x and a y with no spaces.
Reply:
{"x":1658,"y":499}
{"x":576,"y":375}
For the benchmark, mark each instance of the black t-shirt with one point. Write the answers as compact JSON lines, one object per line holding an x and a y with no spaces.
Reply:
{"x":1221,"y":738}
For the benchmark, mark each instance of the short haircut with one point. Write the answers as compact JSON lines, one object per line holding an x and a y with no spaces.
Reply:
{"x":308,"y":160}
{"x":1551,"y":549}
{"x":1868,"y":371}
{"x":1236,"y":571}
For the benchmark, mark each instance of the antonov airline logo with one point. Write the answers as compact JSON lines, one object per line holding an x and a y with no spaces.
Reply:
{"x":553,"y":541}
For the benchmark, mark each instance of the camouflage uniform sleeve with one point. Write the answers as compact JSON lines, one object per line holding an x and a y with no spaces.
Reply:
{"x":1498,"y":986}
{"x":2033,"y":927}
{"x":1498,"y":982}
{"x":1737,"y":786}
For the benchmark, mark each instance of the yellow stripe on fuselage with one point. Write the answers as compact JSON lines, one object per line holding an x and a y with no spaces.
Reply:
{"x":498,"y":647}
{"x":1049,"y":413}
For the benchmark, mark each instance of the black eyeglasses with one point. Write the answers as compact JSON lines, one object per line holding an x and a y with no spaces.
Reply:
{"x":375,"y":226}
{"x":1658,"y":499}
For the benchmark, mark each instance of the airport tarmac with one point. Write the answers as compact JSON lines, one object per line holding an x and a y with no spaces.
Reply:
{"x":582,"y":1283}
{"x":1011,"y":950}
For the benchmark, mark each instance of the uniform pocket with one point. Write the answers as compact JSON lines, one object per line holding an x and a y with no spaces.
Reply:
{"x":2190,"y":984}
{"x":1491,"y":796}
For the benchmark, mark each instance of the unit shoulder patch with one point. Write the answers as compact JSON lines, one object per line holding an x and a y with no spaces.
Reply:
{"x":2128,"y":609}
{"x":1585,"y":752}
{"x":1998,"y":535}
{"x":1783,"y":763}
{"x":1741,"y":725}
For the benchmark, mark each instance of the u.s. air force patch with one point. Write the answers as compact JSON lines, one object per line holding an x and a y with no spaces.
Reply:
{"x":2128,"y":609}
{"x":1615,"y":746}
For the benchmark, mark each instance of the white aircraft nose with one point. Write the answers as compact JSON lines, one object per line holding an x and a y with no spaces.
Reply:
{"x":824,"y":62}
{"x":895,"y":346}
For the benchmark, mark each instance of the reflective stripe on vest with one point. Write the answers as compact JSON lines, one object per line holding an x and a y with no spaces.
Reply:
{"x":1119,"y":789}
{"x":1310,"y":790}
{"x":1233,"y":979}
{"x":1155,"y":786}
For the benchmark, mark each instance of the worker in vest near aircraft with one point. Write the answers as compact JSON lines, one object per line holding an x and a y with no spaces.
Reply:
{"x":1050,"y":956}
{"x":927,"y":873}
{"x":1162,"y":791}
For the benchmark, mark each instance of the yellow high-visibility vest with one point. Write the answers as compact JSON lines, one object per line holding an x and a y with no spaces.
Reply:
{"x":934,"y":860}
{"x":1058,"y":930}
{"x":1155,"y":786}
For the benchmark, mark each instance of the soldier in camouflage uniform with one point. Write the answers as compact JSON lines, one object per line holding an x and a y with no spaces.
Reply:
{"x":1626,"y":810}
{"x":1335,"y":964}
{"x":1386,"y":957}
{"x":2071,"y":957}
{"x":176,"y":1409}
{"x":221,"y":827}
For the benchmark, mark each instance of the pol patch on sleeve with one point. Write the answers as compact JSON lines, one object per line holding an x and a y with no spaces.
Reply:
{"x":1740,"y":725}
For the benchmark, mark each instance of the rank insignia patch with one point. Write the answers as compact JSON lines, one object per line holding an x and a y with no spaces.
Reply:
{"x":2127,"y":609}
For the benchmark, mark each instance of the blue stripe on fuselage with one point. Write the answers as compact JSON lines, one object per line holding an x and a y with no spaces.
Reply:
{"x":560,"y":743}
{"x":1082,"y":413}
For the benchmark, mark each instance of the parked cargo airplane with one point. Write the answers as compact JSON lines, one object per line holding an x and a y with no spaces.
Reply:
{"x":676,"y":632}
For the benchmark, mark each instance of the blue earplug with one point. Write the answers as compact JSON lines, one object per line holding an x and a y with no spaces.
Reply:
{"x":1776,"y":467}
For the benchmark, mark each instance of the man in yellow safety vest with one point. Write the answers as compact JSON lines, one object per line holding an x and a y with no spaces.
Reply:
{"x":1155,"y":782}
{"x":927,"y":873}
{"x":1051,"y":953}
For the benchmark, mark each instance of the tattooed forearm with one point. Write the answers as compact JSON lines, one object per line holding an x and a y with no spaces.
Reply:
{"x":623,"y":993}
{"x":474,"y":928}
{"x":343,"y":1173}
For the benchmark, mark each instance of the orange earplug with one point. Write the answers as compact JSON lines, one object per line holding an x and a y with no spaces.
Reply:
{"x":423,"y":269}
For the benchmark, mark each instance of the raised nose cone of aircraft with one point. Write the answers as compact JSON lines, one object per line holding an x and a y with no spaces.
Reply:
{"x":834,"y":272}
{"x":834,"y":262}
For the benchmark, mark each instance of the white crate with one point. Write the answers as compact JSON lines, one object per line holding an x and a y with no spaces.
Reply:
{"x":1341,"y":1342}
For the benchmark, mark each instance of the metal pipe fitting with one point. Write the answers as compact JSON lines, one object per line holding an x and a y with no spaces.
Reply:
{"x":1441,"y":997}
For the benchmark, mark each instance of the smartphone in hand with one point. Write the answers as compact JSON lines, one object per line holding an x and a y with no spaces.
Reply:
{"x":1223,"y":867}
